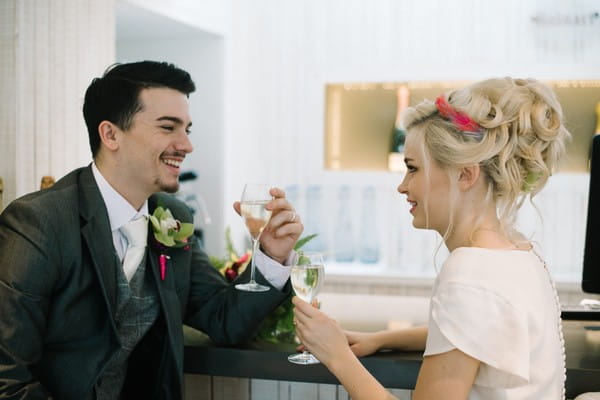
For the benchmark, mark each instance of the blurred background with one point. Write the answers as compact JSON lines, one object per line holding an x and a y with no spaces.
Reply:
{"x":303,"y":94}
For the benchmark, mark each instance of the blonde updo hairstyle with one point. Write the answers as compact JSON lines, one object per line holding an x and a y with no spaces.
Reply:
{"x":522,"y":140}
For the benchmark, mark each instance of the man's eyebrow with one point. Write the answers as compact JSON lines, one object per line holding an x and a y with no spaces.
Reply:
{"x":175,"y":120}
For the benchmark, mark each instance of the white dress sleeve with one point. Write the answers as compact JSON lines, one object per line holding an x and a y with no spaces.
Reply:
{"x":485,"y":326}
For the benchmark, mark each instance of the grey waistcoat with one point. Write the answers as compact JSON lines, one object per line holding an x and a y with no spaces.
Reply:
{"x":136,"y":311}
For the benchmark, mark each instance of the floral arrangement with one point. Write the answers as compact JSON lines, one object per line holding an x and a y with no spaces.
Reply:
{"x":278,"y":327}
{"x":233,"y":265}
{"x":168,"y":233}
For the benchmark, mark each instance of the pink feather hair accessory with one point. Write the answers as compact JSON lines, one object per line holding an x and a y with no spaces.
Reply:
{"x":462,"y":121}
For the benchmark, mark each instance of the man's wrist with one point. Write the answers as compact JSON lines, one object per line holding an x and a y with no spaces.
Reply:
{"x":280,"y":260}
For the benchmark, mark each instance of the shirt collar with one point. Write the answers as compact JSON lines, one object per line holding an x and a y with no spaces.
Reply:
{"x":119,"y":210}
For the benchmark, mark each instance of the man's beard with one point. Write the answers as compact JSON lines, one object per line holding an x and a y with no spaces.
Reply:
{"x":169,"y":188}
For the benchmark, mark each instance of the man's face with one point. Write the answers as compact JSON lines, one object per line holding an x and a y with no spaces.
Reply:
{"x":152,"y":150}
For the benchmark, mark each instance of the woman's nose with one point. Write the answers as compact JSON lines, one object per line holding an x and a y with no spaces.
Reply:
{"x":402,"y":187}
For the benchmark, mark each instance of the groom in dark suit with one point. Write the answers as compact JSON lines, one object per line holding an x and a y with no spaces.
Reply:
{"x":80,"y":317}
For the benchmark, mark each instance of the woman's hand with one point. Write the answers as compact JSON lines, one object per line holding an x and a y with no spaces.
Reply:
{"x":283,"y":230}
{"x":363,"y":343}
{"x":321,"y":335}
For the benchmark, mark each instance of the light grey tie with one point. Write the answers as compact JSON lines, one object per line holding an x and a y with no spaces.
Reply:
{"x":136,"y":232}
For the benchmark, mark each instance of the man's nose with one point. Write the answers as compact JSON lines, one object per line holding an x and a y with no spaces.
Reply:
{"x":185,"y":144}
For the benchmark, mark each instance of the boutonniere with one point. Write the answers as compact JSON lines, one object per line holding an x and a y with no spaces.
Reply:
{"x":169,"y":233}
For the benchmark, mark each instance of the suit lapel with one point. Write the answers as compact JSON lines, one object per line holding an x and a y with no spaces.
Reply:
{"x":168,"y":307}
{"x":153,"y":256}
{"x":98,"y":238}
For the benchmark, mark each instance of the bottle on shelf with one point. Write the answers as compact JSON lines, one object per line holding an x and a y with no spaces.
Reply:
{"x":314,"y":220}
{"x":396,"y":154}
{"x":344,"y":233}
{"x":369,"y":239}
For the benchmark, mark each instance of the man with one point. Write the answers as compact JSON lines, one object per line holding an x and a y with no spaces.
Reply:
{"x":80,"y":318}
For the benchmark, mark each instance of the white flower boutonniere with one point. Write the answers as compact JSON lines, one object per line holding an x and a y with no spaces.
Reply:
{"x":169,"y":233}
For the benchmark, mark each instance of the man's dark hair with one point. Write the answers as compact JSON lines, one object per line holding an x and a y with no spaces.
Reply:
{"x":115,"y":96}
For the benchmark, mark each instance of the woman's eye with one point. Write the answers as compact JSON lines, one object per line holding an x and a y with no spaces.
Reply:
{"x":410,"y":168}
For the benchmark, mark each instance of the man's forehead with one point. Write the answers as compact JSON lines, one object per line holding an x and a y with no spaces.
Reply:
{"x":165,"y":102}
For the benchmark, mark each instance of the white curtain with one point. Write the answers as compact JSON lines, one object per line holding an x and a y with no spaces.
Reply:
{"x":49,"y":52}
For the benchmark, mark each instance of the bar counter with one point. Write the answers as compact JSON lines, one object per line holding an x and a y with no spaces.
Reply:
{"x":394,"y":369}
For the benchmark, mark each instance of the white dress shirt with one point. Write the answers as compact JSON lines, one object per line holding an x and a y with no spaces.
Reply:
{"x":120,"y":212}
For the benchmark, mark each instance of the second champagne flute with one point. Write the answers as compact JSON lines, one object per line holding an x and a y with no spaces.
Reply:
{"x":252,"y":207}
{"x":307,"y":277}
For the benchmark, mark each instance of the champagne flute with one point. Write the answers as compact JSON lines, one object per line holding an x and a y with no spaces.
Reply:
{"x":307,"y":278}
{"x":252,"y":206}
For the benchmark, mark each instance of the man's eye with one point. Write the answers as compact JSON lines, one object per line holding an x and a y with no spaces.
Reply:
{"x":167,"y":128}
{"x":188,"y":131}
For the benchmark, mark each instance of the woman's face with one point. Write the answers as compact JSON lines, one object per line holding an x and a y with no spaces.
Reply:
{"x":426,"y":186}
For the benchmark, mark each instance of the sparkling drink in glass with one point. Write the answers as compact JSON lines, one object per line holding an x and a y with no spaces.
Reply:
{"x":252,"y":207}
{"x":307,"y":278}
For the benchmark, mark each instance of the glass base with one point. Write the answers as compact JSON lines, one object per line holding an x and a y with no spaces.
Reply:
{"x":303,"y":359}
{"x":251,"y":287}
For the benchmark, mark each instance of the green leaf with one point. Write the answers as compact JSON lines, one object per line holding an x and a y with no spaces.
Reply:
{"x":167,"y":214}
{"x":164,"y":239}
{"x":311,"y":277}
{"x":155,"y":223}
{"x":228,"y":243}
{"x":302,"y":241}
{"x":216,"y":262}
{"x":279,"y":327}
{"x":158,"y":212}
{"x":185,"y":230}
{"x":302,"y":259}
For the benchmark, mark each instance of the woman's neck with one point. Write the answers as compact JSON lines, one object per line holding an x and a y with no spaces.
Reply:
{"x":486,"y":233}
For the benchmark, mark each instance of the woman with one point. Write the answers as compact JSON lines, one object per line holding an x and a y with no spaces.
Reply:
{"x":473,"y":156}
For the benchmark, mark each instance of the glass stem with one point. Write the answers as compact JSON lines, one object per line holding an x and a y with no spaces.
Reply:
{"x":252,"y":267}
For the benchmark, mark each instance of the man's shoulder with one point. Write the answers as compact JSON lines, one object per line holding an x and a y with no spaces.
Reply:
{"x":59,"y":196}
{"x":43,"y":209}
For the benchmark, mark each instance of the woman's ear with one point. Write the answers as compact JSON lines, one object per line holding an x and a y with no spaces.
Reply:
{"x":108,"y":135}
{"x":468,"y":177}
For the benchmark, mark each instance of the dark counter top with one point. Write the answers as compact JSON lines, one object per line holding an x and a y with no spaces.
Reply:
{"x":394,"y":369}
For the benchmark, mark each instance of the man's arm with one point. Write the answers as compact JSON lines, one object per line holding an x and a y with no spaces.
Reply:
{"x":227,"y":315}
{"x":24,"y":290}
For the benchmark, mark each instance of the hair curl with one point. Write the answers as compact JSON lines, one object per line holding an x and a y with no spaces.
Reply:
{"x":523,"y":138}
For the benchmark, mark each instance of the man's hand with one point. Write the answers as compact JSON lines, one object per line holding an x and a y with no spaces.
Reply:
{"x":283,"y":230}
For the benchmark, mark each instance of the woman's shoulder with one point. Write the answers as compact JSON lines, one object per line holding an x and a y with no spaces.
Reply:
{"x":483,"y":256}
{"x":484,"y":266}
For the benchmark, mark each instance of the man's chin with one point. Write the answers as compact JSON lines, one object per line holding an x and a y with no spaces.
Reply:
{"x":169,"y":188}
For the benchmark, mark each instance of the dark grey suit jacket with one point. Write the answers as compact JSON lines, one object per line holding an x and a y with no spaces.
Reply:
{"x":58,"y":296}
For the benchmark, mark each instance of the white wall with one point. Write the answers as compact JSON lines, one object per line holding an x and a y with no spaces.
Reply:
{"x":209,"y":15}
{"x":49,"y":52}
{"x":279,"y":56}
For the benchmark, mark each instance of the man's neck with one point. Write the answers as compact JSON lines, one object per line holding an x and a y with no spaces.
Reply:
{"x":123,"y":190}
{"x":118,"y":182}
